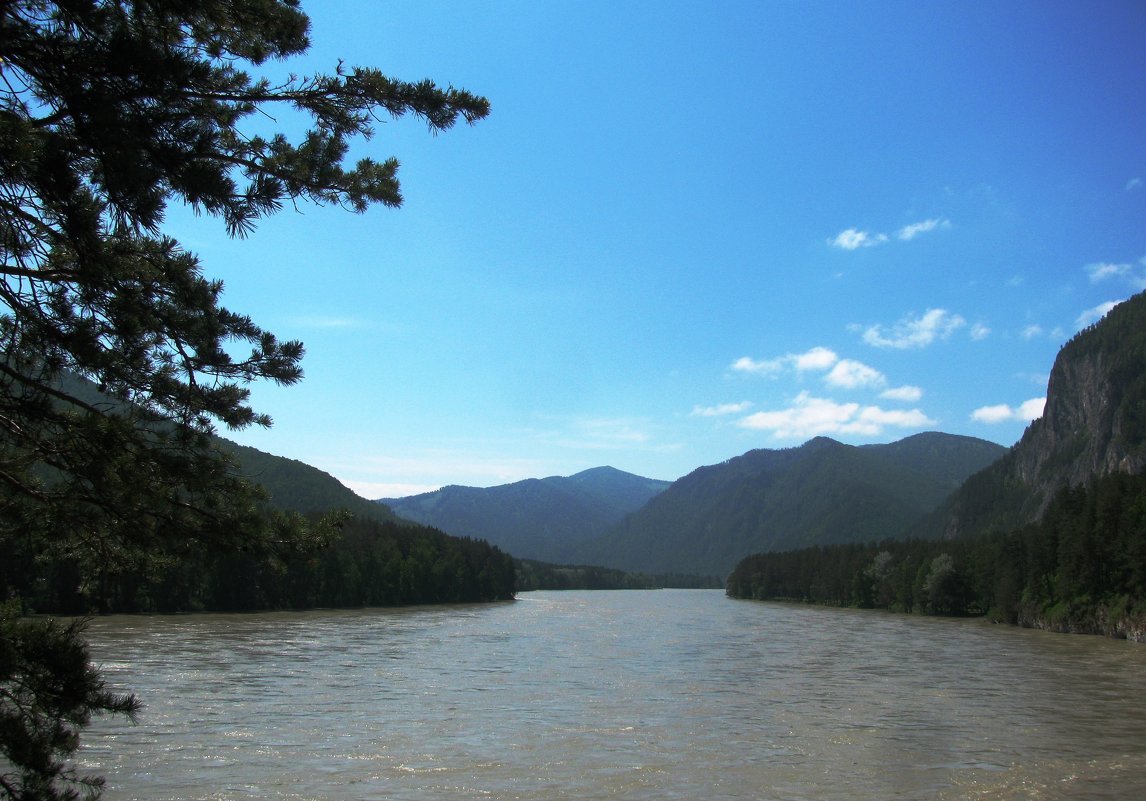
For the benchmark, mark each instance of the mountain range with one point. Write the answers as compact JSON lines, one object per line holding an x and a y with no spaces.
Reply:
{"x":822,"y":492}
{"x":929,"y":485}
{"x":546,"y":519}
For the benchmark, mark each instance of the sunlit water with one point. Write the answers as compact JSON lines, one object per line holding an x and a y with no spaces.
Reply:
{"x":619,"y":695}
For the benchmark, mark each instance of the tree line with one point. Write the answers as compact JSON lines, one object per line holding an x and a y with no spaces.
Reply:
{"x":366,"y":563}
{"x":1081,"y":568}
{"x":534,"y":575}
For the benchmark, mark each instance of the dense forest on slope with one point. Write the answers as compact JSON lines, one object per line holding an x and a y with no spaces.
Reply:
{"x":1094,"y":423}
{"x":295,"y":486}
{"x":1052,"y":535}
{"x":532,"y":575}
{"x":370,"y":559}
{"x":369,"y":563}
{"x":822,"y":492}
{"x":1081,"y":568}
{"x":544,"y":519}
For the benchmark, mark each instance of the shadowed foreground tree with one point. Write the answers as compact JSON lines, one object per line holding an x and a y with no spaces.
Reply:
{"x":110,"y":110}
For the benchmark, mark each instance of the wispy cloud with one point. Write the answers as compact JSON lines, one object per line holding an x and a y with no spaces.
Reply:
{"x":905,"y":393}
{"x":1100,"y":271}
{"x":604,"y":433}
{"x":808,"y":416}
{"x":909,"y":232}
{"x":1095,"y":314}
{"x":1031,"y":331}
{"x":979,"y":332}
{"x":1132,"y":274}
{"x":853,"y":239}
{"x":913,"y":332}
{"x":1133,"y":183}
{"x":1025,"y":412}
{"x":721,"y":410}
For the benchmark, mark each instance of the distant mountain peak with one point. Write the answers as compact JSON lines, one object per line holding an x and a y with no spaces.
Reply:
{"x":536,"y":518}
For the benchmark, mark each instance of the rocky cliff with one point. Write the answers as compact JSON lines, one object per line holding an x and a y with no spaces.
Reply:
{"x":1094,"y":424}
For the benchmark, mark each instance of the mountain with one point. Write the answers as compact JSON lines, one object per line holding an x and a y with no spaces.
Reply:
{"x":820,"y":493}
{"x":1093,"y":425}
{"x":292,"y":486}
{"x":539,"y":518}
{"x":295,"y":486}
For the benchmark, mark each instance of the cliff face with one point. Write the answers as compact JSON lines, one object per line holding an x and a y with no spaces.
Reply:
{"x":1094,"y":424}
{"x":1083,"y":430}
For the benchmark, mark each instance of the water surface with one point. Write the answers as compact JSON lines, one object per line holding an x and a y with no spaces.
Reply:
{"x":670,"y":694}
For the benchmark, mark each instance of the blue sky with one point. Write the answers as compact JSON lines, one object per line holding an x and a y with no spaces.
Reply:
{"x":688,"y":230}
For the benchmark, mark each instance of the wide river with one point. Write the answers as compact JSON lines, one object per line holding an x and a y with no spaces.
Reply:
{"x":670,"y":694}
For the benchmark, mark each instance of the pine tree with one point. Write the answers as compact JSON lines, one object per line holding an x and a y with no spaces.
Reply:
{"x":118,"y":359}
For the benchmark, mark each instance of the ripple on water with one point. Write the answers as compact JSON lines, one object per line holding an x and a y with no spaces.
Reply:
{"x":636,"y":695}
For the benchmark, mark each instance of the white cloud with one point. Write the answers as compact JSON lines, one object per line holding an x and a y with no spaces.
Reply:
{"x":906,"y":393}
{"x":877,"y":417}
{"x":909,"y":232}
{"x":1025,"y":412}
{"x":817,"y":358}
{"x":1097,"y":313}
{"x":809,"y":417}
{"x":721,"y":409}
{"x":850,"y":374}
{"x":1032,"y":409}
{"x":915,"y":333}
{"x":1031,"y":331}
{"x":852,"y":238}
{"x":999,"y":413}
{"x":746,"y":364}
{"x":806,"y":417}
{"x":1133,"y":183}
{"x":979,"y":331}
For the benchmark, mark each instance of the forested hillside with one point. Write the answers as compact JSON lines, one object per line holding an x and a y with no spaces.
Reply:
{"x":819,"y":493}
{"x":295,"y":486}
{"x":545,"y":519}
{"x":1081,"y":568}
{"x":1053,"y":535}
{"x":368,"y":558}
{"x":368,"y":563}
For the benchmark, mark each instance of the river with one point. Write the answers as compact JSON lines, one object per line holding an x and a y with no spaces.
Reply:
{"x":669,"y":694}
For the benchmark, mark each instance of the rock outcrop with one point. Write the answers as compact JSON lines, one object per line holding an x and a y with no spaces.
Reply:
{"x":1093,"y":424}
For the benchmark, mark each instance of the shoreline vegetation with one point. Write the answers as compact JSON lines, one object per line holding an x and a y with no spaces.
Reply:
{"x":367,"y":563}
{"x":1080,"y":569}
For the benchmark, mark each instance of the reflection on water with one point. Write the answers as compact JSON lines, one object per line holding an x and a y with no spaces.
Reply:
{"x":621,"y":695}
